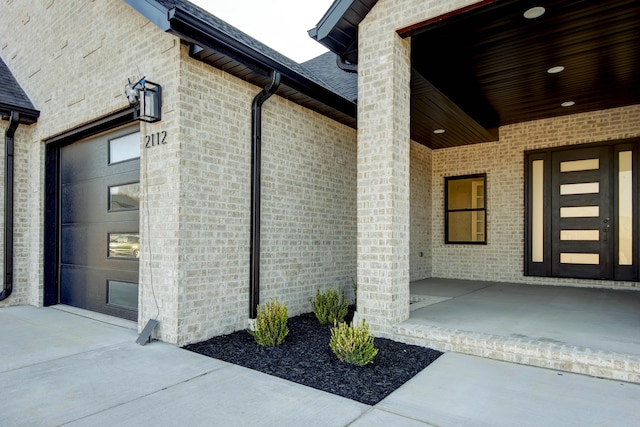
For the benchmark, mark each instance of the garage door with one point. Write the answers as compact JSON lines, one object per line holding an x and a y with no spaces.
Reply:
{"x":99,"y":223}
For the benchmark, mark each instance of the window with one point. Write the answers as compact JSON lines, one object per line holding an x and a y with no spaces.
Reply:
{"x":122,"y":294}
{"x":124,"y":197}
{"x":124,"y":245}
{"x":465,"y":209}
{"x":124,"y":148}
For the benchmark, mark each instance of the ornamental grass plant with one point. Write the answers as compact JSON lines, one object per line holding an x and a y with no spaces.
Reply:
{"x":352,"y":343}
{"x":329,"y":306}
{"x":270,"y":328}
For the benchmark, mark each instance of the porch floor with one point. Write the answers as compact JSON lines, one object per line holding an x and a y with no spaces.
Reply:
{"x":583,"y":330}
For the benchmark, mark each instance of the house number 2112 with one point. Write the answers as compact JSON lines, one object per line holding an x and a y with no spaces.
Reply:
{"x":155,"y":139}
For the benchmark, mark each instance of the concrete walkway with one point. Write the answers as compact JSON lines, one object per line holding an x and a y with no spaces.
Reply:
{"x":60,"y":368}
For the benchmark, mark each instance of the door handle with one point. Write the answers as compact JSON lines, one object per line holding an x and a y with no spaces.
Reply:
{"x":606,"y":228}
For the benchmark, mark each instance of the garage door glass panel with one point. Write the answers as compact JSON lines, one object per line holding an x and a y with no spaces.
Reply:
{"x":124,"y":245}
{"x":124,"y":197}
{"x":124,"y":148}
{"x":122,"y":294}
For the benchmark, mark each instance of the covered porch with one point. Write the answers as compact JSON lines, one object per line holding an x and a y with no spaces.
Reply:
{"x":581,"y":330}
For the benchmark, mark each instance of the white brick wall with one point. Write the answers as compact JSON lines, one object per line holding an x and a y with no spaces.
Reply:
{"x":503,"y":162}
{"x":196,"y":188}
{"x":421,"y":212}
{"x":384,"y":249}
{"x":382,"y":140}
{"x":308,"y":203}
{"x":195,"y":206}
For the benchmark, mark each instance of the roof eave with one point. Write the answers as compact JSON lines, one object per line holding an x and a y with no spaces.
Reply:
{"x":193,"y":30}
{"x":337,"y":30}
{"x":28,"y":116}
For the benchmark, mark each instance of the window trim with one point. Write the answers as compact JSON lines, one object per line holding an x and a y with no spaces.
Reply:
{"x":447,"y":211}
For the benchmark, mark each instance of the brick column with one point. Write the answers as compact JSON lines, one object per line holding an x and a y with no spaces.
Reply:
{"x":383,"y":177}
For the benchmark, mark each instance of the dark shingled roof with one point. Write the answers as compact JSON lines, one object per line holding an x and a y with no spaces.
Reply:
{"x":13,"y":98}
{"x":343,"y":82}
{"x":249,"y":41}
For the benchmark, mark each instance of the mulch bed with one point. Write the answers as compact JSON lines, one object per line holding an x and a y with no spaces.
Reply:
{"x":305,"y":358}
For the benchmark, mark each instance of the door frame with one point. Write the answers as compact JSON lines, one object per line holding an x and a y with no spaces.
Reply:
{"x":51,"y":265}
{"x":544,"y":267}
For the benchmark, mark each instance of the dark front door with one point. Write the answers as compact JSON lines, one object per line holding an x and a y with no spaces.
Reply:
{"x":582,"y":209}
{"x":99,"y":223}
{"x":581,"y":213}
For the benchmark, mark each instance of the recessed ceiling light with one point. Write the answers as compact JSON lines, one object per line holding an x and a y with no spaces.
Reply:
{"x":555,"y":70}
{"x":439,"y":131}
{"x":568,"y":104}
{"x":534,"y":12}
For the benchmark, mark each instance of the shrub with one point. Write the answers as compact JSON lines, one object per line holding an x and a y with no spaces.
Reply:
{"x":329,"y":307}
{"x":271,"y":328}
{"x":353,"y":344}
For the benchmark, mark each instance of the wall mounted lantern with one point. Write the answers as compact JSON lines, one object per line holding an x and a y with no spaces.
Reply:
{"x":146,"y":98}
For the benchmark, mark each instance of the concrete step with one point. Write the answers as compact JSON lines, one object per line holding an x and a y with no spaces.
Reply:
{"x":523,"y":350}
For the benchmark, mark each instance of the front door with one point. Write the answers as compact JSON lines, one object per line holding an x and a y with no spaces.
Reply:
{"x":581,"y":213}
{"x":99,"y":223}
{"x":588,"y":198}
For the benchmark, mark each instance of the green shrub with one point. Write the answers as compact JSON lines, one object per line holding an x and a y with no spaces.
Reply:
{"x":353,"y":344}
{"x":271,"y":328}
{"x":329,"y":307}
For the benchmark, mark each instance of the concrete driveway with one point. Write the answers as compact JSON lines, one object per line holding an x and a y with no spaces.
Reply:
{"x":61,"y":368}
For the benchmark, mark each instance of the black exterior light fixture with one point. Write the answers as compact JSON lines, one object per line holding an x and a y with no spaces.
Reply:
{"x":146,"y":98}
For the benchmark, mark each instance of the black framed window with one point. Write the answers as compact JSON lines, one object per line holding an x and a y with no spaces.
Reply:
{"x":465,"y":209}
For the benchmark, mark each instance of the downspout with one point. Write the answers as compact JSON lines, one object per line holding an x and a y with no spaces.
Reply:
{"x":256,"y":163}
{"x":8,"y":205}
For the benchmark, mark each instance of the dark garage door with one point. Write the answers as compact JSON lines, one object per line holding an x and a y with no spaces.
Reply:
{"x":99,"y":223}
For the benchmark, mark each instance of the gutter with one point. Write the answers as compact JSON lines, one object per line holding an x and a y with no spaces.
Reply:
{"x":14,"y":120}
{"x":256,"y":187}
{"x":197,"y":31}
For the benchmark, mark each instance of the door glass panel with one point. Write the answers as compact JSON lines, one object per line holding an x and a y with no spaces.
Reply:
{"x":625,"y":210}
{"x":580,"y":165}
{"x":122,"y":294}
{"x":580,"y":212}
{"x":124,"y":245}
{"x":537,"y":223}
{"x":582,"y":188}
{"x":579,"y":234}
{"x":124,"y":197}
{"x":124,"y":148}
{"x":578,"y":258}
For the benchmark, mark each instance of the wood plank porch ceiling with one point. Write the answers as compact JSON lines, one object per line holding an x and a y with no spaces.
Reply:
{"x":484,"y":67}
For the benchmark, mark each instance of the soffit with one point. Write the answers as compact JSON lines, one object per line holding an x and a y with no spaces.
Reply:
{"x":491,"y":63}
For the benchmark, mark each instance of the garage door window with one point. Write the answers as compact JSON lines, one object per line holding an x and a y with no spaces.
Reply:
{"x":124,"y":148}
{"x":123,"y":294}
{"x":124,"y":197}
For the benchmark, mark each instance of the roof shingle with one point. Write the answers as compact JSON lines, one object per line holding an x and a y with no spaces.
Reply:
{"x":12,"y":96}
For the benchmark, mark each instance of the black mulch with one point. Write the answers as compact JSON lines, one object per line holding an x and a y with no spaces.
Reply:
{"x":305,"y":358}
